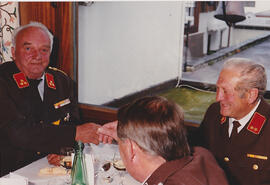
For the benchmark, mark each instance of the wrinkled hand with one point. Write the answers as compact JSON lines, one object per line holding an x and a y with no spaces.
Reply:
{"x":87,"y":133}
{"x":108,"y":132}
{"x":54,"y":159}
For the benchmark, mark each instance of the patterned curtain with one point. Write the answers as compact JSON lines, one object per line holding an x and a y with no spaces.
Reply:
{"x":9,"y":20}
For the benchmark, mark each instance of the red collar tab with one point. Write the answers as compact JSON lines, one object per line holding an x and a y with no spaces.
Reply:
{"x":222,"y":120}
{"x":256,"y":123}
{"x":50,"y":80}
{"x":21,"y":80}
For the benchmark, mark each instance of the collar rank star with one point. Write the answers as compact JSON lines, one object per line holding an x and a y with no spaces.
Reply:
{"x":21,"y":80}
{"x":256,"y":123}
{"x":50,"y":81}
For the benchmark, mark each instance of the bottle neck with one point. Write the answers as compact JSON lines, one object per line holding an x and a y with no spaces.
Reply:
{"x":79,"y":147}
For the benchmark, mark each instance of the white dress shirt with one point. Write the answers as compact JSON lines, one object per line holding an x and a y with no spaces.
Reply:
{"x":41,"y":87}
{"x":242,"y":121}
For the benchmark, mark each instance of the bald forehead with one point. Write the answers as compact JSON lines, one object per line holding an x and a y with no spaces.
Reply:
{"x":30,"y":31}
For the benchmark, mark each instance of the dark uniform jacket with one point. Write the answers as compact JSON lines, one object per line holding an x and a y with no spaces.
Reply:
{"x":199,"y":169}
{"x":23,"y":138}
{"x":246,"y":160}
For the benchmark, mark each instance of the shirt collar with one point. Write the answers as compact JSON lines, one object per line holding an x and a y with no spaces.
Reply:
{"x":245,"y":119}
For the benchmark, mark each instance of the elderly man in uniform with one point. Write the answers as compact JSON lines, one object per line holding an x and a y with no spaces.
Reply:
{"x":236,"y":128}
{"x":39,"y":112}
{"x":154,"y":148}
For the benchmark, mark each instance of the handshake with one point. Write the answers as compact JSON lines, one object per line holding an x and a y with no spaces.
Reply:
{"x":90,"y":133}
{"x":93,"y":133}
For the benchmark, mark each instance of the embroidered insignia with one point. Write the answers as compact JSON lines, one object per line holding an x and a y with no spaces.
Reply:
{"x":56,"y":122}
{"x":50,"y":81}
{"x":256,"y":123}
{"x":222,"y":120}
{"x":61,"y":103}
{"x":257,"y":156}
{"x":21,"y":80}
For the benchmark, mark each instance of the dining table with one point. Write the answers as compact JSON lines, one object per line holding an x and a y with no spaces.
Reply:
{"x":97,"y":157}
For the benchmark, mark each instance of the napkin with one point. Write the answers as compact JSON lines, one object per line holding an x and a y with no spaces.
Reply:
{"x":90,"y":168}
{"x":13,"y":179}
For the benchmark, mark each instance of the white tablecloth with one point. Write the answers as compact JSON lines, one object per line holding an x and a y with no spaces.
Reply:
{"x":101,"y":154}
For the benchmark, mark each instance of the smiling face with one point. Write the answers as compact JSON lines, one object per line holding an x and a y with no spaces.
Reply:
{"x":32,"y":53}
{"x":231,"y":104}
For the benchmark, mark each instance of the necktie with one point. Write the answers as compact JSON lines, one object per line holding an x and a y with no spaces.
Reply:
{"x":35,"y":98}
{"x":236,"y":124}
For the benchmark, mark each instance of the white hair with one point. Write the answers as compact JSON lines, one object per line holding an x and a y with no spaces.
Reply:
{"x":32,"y":24}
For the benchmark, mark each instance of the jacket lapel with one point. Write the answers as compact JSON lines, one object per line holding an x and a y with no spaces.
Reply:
{"x":50,"y":94}
{"x":255,"y":126}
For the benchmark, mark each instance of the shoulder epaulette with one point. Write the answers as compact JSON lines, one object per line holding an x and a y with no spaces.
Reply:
{"x":256,"y":123}
{"x":55,"y":69}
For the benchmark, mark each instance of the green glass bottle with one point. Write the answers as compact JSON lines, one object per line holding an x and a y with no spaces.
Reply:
{"x":78,"y":172}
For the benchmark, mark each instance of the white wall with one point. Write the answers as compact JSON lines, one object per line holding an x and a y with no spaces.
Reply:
{"x":240,"y":35}
{"x":125,"y":47}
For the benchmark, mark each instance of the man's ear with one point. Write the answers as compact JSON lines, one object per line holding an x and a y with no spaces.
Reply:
{"x":13,"y":53}
{"x":132,"y":149}
{"x":253,"y":95}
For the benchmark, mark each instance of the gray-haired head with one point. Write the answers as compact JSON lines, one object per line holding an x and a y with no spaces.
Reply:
{"x":156,"y":125}
{"x":32,"y":24}
{"x":252,"y":74}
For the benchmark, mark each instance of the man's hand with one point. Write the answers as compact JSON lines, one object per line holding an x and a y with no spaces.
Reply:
{"x":108,"y":132}
{"x":87,"y":133}
{"x":54,"y":159}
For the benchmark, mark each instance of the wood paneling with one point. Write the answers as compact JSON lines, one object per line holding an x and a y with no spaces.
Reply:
{"x":97,"y":114}
{"x":58,"y":17}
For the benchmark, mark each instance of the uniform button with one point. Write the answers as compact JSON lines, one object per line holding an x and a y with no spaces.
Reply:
{"x":226,"y":159}
{"x":38,"y":153}
{"x":255,"y":167}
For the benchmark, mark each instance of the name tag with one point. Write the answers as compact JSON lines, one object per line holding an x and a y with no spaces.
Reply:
{"x":61,"y":103}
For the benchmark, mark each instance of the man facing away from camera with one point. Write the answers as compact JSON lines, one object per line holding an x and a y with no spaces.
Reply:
{"x":153,"y":146}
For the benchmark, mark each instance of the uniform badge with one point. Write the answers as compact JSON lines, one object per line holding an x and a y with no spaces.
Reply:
{"x":61,"y":103}
{"x":50,"y":81}
{"x":256,"y":123}
{"x":56,"y":122}
{"x":21,"y":80}
{"x":222,"y":120}
{"x":67,"y":117}
{"x":257,"y":156}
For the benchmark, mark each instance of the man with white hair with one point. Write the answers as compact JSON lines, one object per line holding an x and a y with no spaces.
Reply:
{"x":236,"y":128}
{"x":39,"y":113}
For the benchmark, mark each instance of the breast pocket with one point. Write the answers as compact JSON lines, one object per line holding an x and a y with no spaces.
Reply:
{"x":60,"y":112}
{"x":254,"y":162}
